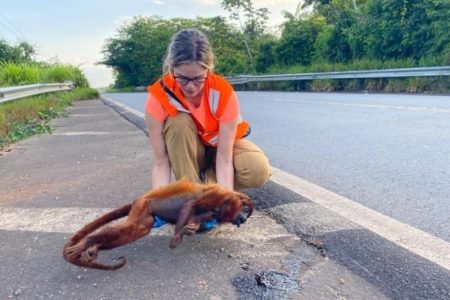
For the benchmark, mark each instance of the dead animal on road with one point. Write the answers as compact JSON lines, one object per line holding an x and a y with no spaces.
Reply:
{"x":183,"y":203}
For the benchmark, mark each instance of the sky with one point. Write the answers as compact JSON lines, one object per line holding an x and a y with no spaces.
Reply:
{"x":75,"y":32}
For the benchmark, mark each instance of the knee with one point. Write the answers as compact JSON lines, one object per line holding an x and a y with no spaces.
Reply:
{"x":252,"y":170}
{"x":179,"y":127}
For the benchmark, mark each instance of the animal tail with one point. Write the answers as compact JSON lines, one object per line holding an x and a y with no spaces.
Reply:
{"x":91,"y":227}
{"x":96,"y":265}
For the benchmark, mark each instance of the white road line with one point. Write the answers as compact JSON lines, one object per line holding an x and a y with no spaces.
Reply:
{"x":132,"y":110}
{"x":404,"y":235}
{"x":82,"y":133}
{"x":46,"y":219}
{"x":68,"y":133}
{"x":379,"y":106}
{"x":53,"y":220}
{"x":90,"y":115}
{"x":401,"y":107}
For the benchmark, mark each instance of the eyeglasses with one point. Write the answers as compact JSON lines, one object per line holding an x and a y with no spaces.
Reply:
{"x":183,"y":80}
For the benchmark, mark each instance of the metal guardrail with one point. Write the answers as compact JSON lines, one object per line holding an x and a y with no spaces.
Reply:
{"x":386,"y":73}
{"x":16,"y":92}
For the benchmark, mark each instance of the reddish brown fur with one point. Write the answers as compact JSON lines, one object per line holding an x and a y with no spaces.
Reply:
{"x":183,"y":203}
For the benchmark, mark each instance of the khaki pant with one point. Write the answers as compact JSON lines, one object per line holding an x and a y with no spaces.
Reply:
{"x":187,"y":155}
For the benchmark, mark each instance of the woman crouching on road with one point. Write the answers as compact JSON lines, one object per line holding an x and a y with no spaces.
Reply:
{"x":194,"y":122}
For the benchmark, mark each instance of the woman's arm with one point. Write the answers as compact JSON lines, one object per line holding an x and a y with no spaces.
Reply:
{"x":224,"y":156}
{"x":161,"y":165}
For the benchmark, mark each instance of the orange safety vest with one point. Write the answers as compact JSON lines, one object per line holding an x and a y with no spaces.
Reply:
{"x":173,"y":101}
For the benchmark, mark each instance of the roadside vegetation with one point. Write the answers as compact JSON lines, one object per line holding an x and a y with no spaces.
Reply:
{"x":321,"y":35}
{"x":389,"y":85}
{"x":14,"y":74}
{"x":25,"y":117}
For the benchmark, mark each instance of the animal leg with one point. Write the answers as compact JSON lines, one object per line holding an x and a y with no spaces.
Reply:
{"x":194,"y":223}
{"x":183,"y":218}
{"x":187,"y":223}
{"x":137,"y":225}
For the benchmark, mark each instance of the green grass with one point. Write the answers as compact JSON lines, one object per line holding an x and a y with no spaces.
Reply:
{"x":22,"y":131}
{"x":14,"y":74}
{"x":25,"y":117}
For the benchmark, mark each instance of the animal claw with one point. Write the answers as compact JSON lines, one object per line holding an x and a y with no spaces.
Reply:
{"x":190,"y":229}
{"x":174,"y":241}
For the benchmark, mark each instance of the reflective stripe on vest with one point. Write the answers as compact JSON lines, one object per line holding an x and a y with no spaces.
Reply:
{"x":177,"y":104}
{"x":214,"y":96}
{"x":213,"y":140}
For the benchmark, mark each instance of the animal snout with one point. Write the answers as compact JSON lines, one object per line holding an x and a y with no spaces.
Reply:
{"x":240,"y":219}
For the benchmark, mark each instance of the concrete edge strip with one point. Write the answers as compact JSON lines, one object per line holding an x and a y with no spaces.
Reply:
{"x":404,"y":235}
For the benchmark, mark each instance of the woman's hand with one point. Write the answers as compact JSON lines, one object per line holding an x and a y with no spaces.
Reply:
{"x":161,"y":166}
{"x":224,"y":156}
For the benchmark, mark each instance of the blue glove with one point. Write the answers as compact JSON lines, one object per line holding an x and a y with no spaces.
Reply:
{"x":208,"y":225}
{"x":158,"y":222}
{"x":204,"y":226}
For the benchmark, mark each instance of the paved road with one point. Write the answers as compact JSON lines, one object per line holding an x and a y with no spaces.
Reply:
{"x":51,"y":185}
{"x":390,"y":153}
{"x":293,"y":248}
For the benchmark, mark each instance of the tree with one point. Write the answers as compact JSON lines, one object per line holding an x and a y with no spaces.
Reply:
{"x":23,"y":52}
{"x":137,"y":52}
{"x":298,"y":37}
{"x":226,"y":40}
{"x":266,"y":56}
{"x":397,"y":29}
{"x":339,"y":49}
{"x":439,"y":25}
{"x":254,"y":23}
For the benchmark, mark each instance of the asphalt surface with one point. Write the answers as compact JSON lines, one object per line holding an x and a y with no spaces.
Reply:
{"x":388,"y":152}
{"x":95,"y":160}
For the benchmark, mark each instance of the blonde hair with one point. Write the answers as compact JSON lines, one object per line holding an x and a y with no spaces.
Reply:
{"x":189,"y":46}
